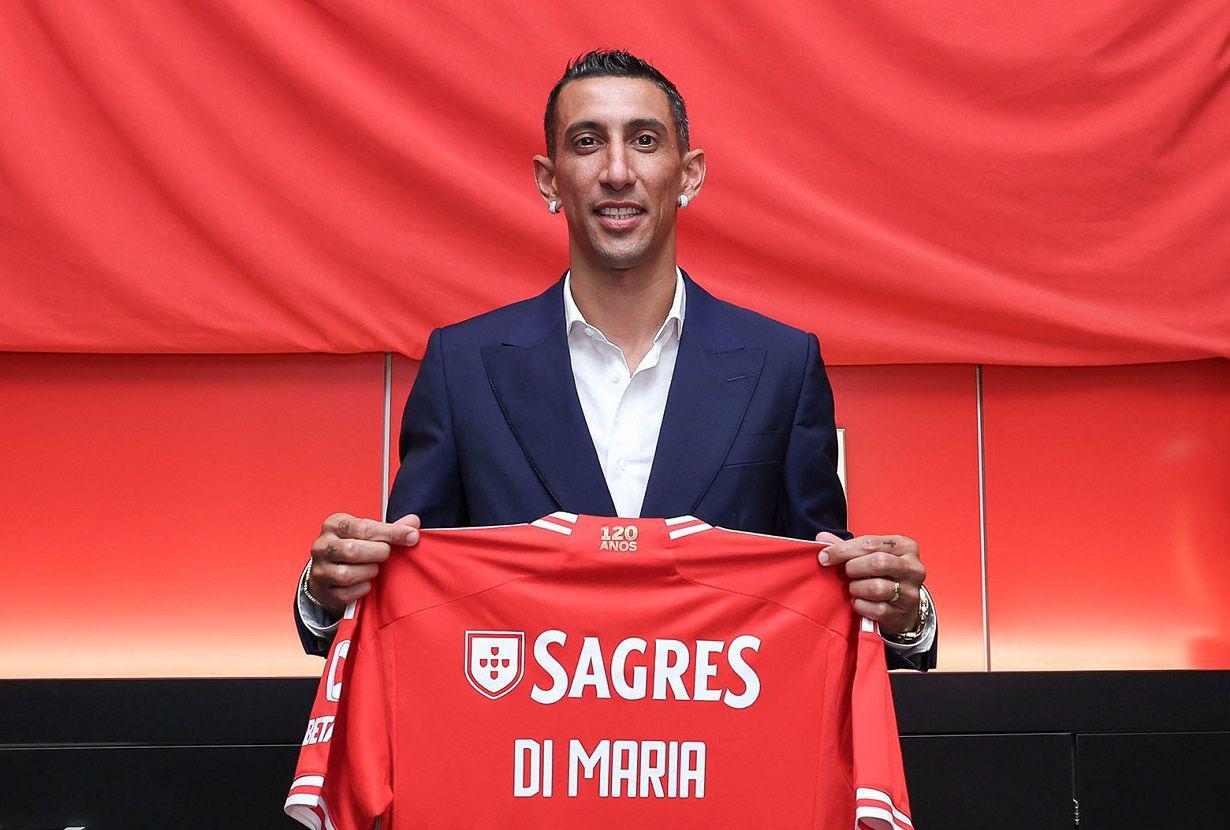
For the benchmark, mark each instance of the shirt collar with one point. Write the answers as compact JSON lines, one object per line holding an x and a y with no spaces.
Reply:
{"x":674,"y":318}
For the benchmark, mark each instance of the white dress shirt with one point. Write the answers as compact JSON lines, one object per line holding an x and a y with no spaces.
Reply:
{"x":623,"y":410}
{"x":624,"y":413}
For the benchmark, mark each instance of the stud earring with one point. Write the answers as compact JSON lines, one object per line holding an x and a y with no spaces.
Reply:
{"x":554,"y":206}
{"x":683,"y":200}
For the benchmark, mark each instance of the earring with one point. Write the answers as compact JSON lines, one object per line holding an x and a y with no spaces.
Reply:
{"x":554,"y":206}
{"x":683,"y":200}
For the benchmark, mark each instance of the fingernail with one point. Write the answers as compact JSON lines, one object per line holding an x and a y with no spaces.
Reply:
{"x":412,"y":536}
{"x":824,"y":557}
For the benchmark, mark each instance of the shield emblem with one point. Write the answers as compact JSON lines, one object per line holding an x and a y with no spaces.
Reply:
{"x":494,"y":661}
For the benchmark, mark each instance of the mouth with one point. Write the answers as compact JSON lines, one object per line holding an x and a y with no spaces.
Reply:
{"x":618,"y":217}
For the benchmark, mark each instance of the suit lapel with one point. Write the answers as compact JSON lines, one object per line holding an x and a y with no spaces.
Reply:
{"x":714,"y":378}
{"x":531,"y":375}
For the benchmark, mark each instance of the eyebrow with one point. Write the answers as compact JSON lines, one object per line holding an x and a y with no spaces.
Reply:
{"x":633,"y":124}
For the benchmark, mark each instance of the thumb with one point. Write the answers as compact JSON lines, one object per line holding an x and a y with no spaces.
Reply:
{"x":829,"y":538}
{"x":410,"y":521}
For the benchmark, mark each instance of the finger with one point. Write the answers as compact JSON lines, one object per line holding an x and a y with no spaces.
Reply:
{"x":349,"y":551}
{"x":895,"y":544}
{"x":880,"y":564}
{"x":878,"y":611}
{"x":882,"y":590}
{"x":348,"y":595}
{"x":343,"y":576}
{"x":847,"y":549}
{"x":331,"y":524}
{"x":409,"y":520}
{"x":902,"y":546}
{"x":348,"y":527}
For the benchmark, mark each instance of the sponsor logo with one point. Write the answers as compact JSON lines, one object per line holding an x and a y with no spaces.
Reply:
{"x":495,"y":661}
{"x":636,"y":669}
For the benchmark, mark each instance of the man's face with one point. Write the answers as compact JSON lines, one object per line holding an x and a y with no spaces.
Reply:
{"x":617,"y":169}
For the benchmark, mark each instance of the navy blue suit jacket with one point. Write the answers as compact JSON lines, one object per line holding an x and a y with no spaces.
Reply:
{"x":493,"y":432}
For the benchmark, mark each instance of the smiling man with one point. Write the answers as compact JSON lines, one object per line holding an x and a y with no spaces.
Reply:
{"x":624,"y":389}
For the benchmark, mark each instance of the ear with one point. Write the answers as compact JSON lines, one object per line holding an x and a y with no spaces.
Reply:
{"x":544,"y":177}
{"x":693,"y":173}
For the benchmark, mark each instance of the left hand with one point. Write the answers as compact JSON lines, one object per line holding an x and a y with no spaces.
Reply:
{"x":874,"y":564}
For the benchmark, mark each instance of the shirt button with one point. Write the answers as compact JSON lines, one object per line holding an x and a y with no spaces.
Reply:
{"x":622,"y":465}
{"x":615,"y":378}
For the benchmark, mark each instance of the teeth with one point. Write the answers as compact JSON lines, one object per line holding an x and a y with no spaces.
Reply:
{"x":620,"y":212}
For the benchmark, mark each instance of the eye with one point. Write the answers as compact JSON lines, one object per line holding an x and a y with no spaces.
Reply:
{"x":646,"y":140}
{"x":585,"y":142}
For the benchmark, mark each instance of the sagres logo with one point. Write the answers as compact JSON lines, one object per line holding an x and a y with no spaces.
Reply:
{"x":495,"y":661}
{"x":618,"y":537}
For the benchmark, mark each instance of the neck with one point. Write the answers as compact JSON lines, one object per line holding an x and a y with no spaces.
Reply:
{"x":628,"y":305}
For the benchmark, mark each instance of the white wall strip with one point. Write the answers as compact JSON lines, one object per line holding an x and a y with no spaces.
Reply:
{"x":384,"y":436}
{"x":982,"y":524}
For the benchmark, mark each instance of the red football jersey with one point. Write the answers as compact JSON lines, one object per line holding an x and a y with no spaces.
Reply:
{"x":597,"y":672}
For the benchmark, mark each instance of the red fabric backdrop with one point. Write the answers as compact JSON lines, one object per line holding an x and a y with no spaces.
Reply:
{"x":999,"y":182}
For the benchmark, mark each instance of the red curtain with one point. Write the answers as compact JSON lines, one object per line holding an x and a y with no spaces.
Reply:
{"x":933,"y":181}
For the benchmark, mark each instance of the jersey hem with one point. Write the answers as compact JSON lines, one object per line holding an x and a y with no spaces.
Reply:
{"x":875,"y":810}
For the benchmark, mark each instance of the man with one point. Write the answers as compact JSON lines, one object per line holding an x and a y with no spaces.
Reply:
{"x":624,"y":389}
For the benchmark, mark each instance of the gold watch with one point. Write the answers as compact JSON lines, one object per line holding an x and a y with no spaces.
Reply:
{"x":924,"y":613}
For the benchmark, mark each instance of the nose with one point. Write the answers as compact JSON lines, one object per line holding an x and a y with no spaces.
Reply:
{"x":618,"y":172}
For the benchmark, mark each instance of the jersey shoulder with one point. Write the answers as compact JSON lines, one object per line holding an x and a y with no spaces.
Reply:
{"x":777,"y":570}
{"x":450,"y":564}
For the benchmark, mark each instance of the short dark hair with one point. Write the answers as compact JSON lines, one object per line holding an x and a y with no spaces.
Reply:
{"x":616,"y":63}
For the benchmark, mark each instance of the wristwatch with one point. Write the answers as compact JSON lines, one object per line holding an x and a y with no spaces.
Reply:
{"x":924,"y":613}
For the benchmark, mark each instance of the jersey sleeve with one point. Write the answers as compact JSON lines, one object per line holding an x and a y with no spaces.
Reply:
{"x":881,"y":801}
{"x":342,"y":780}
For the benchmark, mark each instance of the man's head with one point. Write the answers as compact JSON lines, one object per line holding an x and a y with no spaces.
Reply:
{"x":616,"y":64}
{"x":618,"y":158}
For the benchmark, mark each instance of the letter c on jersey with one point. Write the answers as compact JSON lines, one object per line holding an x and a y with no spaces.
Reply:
{"x":333,"y":687}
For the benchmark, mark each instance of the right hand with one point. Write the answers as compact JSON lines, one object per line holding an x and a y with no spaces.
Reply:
{"x":346,"y":556}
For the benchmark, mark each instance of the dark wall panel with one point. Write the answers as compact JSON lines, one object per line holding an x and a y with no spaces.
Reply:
{"x":133,"y":788}
{"x":975,"y":782}
{"x":1153,"y":780}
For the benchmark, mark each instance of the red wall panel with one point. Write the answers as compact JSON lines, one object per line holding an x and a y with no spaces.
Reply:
{"x":404,"y":371}
{"x":157,"y":509}
{"x":911,"y":445}
{"x":1108,"y":511}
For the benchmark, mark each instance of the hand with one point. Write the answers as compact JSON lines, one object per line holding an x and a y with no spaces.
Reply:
{"x":873,"y":564}
{"x":346,"y":556}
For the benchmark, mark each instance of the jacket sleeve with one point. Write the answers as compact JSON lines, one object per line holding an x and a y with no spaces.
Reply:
{"x":814,"y":498}
{"x":428,"y":483}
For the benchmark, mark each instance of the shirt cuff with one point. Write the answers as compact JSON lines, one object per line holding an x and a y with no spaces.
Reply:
{"x":923,"y":643}
{"x":315,"y":618}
